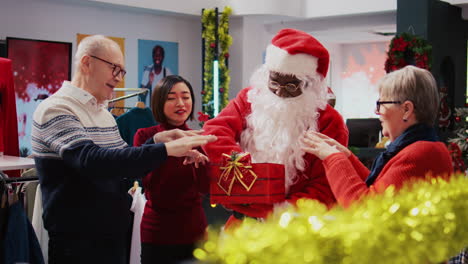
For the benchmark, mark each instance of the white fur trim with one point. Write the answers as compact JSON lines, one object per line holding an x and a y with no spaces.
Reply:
{"x":280,"y":60}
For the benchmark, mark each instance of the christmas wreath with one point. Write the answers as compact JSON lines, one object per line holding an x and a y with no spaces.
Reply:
{"x":407,"y":49}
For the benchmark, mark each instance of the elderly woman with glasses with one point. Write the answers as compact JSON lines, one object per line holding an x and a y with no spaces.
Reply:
{"x":407,"y":107}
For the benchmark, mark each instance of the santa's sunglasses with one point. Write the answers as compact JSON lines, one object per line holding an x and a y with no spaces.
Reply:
{"x":290,"y":87}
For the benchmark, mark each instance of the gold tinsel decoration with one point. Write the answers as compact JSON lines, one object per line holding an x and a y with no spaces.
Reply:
{"x":423,"y":223}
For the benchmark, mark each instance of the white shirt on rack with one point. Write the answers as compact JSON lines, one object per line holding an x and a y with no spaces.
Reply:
{"x":38,"y":225}
{"x":138,"y":206}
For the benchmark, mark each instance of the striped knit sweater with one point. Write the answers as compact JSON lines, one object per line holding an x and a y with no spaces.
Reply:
{"x":81,"y":162}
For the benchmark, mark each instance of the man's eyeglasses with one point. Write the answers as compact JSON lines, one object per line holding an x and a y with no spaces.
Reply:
{"x":290,"y":87}
{"x":116,"y":69}
{"x":379,"y":103}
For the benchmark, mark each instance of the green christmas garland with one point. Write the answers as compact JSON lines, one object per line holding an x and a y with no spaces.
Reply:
{"x":225,"y":40}
{"x":425,"y":223}
{"x":208,"y":35}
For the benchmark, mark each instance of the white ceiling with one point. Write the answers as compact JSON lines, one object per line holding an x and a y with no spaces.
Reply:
{"x":345,"y":29}
{"x":337,"y":21}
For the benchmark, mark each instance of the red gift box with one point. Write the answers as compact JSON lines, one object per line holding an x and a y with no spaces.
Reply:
{"x":237,"y":181}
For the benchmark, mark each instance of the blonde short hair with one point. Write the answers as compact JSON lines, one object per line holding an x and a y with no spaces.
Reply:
{"x":416,"y":85}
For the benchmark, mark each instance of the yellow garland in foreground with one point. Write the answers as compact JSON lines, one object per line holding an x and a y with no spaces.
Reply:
{"x":424,"y":224}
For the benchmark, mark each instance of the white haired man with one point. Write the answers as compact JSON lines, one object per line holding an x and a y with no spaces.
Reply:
{"x":81,"y":160}
{"x":287,"y":97}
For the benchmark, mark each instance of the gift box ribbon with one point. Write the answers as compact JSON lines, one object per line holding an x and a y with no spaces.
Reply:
{"x":236,"y":168}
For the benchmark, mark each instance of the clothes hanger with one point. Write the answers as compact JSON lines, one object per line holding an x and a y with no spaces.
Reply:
{"x":4,"y":198}
{"x":140,"y":104}
{"x":9,"y":192}
{"x":138,"y":92}
{"x":135,"y":187}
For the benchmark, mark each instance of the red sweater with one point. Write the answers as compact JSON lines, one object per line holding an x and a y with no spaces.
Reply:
{"x":347,"y":175}
{"x":173,"y":214}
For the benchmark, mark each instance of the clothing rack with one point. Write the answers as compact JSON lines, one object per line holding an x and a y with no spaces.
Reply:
{"x":120,"y":107}
{"x":137,"y":90}
{"x":21,"y":179}
{"x":6,"y":180}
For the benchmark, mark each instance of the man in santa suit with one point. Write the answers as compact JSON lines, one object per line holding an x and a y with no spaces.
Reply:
{"x":287,"y":96}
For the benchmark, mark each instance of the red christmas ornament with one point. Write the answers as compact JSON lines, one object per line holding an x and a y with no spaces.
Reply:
{"x":213,"y":45}
{"x":203,"y":92}
{"x":226,"y":55}
{"x":202,"y":117}
{"x":457,"y":119}
{"x":221,"y":90}
{"x":456,"y":153}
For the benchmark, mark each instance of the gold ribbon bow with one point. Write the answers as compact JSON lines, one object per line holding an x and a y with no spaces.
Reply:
{"x":232,"y":171}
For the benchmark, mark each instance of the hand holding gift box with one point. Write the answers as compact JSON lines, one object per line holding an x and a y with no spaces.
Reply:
{"x":238,"y":181}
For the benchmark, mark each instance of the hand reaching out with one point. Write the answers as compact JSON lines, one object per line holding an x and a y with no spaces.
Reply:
{"x":183,"y":147}
{"x":196,"y":157}
{"x":173,"y":134}
{"x":334,"y":143}
{"x":321,"y":145}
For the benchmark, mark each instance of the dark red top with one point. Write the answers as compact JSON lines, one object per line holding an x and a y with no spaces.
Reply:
{"x":173,"y":214}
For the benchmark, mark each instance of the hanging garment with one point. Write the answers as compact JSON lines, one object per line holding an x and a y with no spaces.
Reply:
{"x":133,"y":120}
{"x":38,"y":225}
{"x":137,"y":208}
{"x":30,"y":192}
{"x":3,"y":219}
{"x":20,"y":243}
{"x":461,"y":258}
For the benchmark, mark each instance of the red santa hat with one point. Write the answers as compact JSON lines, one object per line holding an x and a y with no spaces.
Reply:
{"x":295,"y":52}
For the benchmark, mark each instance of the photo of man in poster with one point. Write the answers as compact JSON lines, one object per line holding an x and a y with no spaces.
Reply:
{"x":159,"y":67}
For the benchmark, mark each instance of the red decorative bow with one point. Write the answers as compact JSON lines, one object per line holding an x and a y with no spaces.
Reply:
{"x":236,"y":167}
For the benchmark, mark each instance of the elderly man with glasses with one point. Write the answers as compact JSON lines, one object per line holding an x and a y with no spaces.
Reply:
{"x":287,"y":97}
{"x":82,"y":160}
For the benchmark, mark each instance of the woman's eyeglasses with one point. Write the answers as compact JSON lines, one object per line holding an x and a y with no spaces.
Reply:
{"x":116,"y":69}
{"x":379,"y":103}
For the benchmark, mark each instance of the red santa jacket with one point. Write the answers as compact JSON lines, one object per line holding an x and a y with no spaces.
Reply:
{"x":313,"y":184}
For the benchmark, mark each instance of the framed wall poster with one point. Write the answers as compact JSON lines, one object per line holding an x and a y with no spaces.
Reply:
{"x":156,"y":59}
{"x":39,"y":69}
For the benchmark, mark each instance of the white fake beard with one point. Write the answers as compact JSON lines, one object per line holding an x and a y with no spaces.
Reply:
{"x":276,"y":124}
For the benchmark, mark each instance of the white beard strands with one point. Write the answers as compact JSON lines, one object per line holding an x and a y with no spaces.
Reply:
{"x":276,"y":124}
